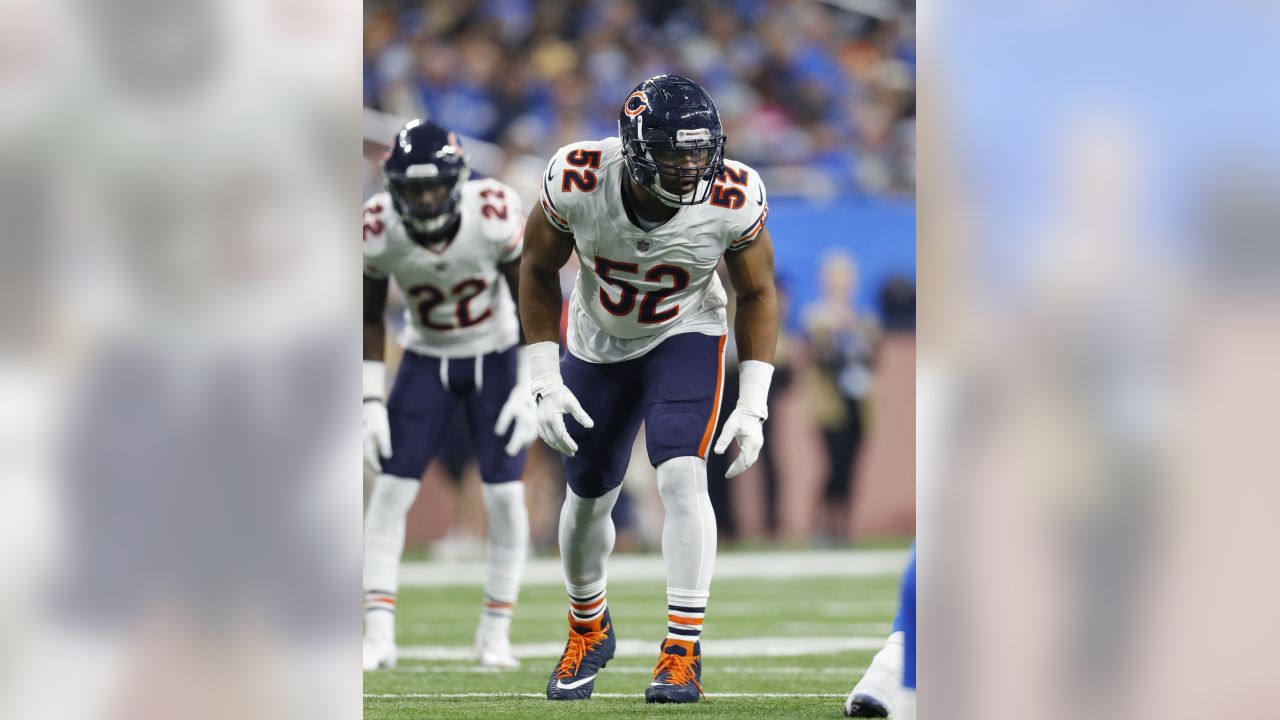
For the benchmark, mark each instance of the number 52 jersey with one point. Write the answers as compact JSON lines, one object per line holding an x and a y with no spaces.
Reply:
{"x":635,"y":288}
{"x":456,"y":299}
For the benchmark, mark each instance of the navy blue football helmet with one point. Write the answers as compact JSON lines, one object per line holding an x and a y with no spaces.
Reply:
{"x":425,"y":169}
{"x":672,"y":139}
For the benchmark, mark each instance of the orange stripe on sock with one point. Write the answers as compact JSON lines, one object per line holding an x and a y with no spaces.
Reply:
{"x":499,"y":605}
{"x":715,"y":408}
{"x":684,"y":620}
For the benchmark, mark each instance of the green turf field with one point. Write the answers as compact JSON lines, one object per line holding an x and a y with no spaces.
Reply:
{"x":772,"y":648}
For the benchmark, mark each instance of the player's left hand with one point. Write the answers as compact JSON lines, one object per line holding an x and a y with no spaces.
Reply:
{"x":521,"y":415}
{"x":748,"y":430}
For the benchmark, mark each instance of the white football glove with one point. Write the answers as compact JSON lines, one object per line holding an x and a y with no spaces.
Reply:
{"x":519,"y":412}
{"x":554,"y":399}
{"x":746,"y":422}
{"x":377,"y":429}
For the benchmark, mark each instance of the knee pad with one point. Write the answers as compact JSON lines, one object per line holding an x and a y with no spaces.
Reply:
{"x":682,"y":480}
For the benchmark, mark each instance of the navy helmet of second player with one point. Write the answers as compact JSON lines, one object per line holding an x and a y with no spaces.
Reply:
{"x":425,"y":169}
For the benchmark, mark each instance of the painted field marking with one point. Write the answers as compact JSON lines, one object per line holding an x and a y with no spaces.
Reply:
{"x":748,"y":565}
{"x":446,"y":696}
{"x":738,"y":648}
{"x":851,"y":672}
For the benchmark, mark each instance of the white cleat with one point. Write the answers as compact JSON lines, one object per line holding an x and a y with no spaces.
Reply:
{"x":494,"y":651}
{"x":879,"y":693}
{"x":379,"y":655}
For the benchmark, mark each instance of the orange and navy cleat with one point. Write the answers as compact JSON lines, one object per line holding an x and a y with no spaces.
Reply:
{"x":591,"y":646}
{"x":678,"y":676}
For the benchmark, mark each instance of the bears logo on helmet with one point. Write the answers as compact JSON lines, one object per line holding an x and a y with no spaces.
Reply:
{"x":637,"y":103}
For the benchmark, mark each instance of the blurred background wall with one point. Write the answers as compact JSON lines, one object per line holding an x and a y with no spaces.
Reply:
{"x":819,"y":97}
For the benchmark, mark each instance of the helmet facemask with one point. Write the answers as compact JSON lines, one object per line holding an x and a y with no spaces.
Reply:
{"x":682,"y":172}
{"x":427,"y":204}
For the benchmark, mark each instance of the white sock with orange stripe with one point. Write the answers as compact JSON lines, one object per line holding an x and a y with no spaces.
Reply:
{"x":508,"y":548}
{"x":384,"y":525}
{"x":685,"y":610}
{"x":586,"y":602}
{"x":688,"y":544}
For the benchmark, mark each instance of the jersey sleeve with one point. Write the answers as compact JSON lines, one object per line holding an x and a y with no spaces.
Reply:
{"x":574,"y":174}
{"x":747,"y":218}
{"x":508,"y":234}
{"x":377,"y":218}
{"x":555,"y":208}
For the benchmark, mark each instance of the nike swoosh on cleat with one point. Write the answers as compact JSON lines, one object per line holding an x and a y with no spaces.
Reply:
{"x":575,"y":684}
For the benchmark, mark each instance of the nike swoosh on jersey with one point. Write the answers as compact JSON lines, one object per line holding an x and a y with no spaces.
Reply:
{"x":575,"y":684}
{"x":761,"y":200}
{"x":551,"y":173}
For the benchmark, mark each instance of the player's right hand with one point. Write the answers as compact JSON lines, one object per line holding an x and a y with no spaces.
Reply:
{"x":553,"y":403}
{"x":377,"y":434}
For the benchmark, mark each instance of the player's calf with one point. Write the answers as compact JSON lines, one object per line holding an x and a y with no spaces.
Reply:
{"x":383,"y":545}
{"x":508,"y":546}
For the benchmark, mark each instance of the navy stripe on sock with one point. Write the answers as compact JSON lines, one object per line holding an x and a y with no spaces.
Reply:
{"x":587,"y":599}
{"x":379,"y":592}
{"x":682,"y":631}
{"x":680,"y":608}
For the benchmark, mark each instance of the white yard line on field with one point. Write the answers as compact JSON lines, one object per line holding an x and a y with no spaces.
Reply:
{"x":736,"y":647}
{"x":752,"y":565}
{"x":594,"y":695}
{"x":850,"y":672}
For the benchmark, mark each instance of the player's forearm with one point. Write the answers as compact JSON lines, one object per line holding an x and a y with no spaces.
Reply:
{"x":375,"y":341}
{"x":756,"y":326}
{"x":511,"y":272}
{"x":539,"y":304}
{"x":375,"y":305}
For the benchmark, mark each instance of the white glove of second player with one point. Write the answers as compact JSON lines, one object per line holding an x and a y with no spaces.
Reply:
{"x":519,"y":413}
{"x":553,"y":398}
{"x":377,"y":429}
{"x":746,"y":422}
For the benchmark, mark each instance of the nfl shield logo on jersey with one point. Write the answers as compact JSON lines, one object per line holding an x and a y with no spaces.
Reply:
{"x":642,"y":244}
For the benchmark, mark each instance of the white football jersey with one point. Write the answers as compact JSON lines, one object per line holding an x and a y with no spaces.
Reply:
{"x":456,"y":299}
{"x":636,"y":288}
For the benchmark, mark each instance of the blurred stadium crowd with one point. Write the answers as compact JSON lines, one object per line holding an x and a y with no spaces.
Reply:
{"x":826,"y":89}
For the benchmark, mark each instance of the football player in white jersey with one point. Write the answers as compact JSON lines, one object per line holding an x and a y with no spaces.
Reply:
{"x":453,"y":246}
{"x":650,"y":215}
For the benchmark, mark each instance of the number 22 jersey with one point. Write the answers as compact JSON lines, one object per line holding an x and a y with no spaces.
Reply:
{"x":636,"y":288}
{"x":456,"y":299}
